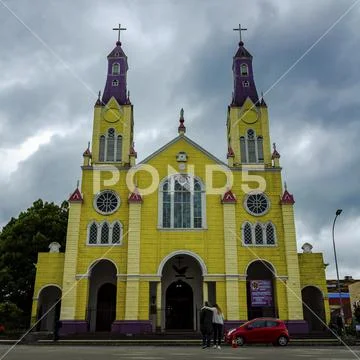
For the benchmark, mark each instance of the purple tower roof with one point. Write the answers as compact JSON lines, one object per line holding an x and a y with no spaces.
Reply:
{"x":244,"y":84}
{"x":116,"y":76}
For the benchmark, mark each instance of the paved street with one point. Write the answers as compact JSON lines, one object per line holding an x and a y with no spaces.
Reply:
{"x":175,"y":353}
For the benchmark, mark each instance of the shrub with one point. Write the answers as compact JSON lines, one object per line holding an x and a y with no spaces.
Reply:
{"x":11,"y":316}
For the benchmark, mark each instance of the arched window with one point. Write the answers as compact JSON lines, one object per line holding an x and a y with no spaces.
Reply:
{"x":110,"y":147}
{"x":115,"y":83}
{"x":270,"y":234}
{"x":116,"y":233}
{"x":251,"y":148}
{"x":260,"y":149}
{"x":182,"y":203}
{"x":102,"y":148}
{"x":166,"y":201}
{"x":246,"y":83}
{"x":116,"y":69}
{"x":197,"y":205}
{"x":92,"y":239}
{"x":247,"y":234}
{"x":259,"y":239}
{"x":105,"y":233}
{"x":118,"y":148}
{"x":104,"y":237}
{"x":243,"y":149}
{"x":244,"y":70}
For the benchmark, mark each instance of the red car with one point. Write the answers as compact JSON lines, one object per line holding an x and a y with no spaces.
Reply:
{"x":261,"y":330}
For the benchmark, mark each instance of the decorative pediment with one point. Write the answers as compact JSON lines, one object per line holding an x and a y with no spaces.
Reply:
{"x":76,"y":196}
{"x":229,"y":198}
{"x":135,"y":197}
{"x":287,"y":199}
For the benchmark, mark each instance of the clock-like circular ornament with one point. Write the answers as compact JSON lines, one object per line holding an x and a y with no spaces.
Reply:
{"x":112,"y":114}
{"x":250,"y":116}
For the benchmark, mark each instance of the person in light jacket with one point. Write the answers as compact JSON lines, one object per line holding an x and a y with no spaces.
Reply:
{"x":218,"y":325}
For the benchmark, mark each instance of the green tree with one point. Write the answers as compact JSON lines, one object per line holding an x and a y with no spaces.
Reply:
{"x":20,"y":241}
{"x":10,"y":315}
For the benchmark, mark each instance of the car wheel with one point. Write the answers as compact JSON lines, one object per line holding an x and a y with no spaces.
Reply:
{"x":239,"y":340}
{"x":282,"y":340}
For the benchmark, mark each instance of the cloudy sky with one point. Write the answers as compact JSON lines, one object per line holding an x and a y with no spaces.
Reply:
{"x":306,"y":60}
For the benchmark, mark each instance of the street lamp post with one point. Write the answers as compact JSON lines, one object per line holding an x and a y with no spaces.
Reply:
{"x":338,"y":212}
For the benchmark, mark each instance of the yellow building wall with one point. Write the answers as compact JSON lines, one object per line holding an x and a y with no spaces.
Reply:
{"x":49,"y":271}
{"x":312,"y":273}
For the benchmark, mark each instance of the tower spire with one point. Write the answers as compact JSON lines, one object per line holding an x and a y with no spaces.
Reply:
{"x":116,"y":76}
{"x":181,"y":128}
{"x":244,"y":84}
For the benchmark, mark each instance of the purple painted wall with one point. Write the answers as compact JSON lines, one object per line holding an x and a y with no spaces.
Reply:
{"x":132,"y":327}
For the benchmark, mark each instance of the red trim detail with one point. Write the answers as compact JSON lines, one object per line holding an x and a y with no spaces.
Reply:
{"x":230,"y":152}
{"x":76,"y":196}
{"x":133,"y":152}
{"x":287,"y":199}
{"x":87,"y":152}
{"x":229,"y":198}
{"x":275,"y":155}
{"x":135,"y":197}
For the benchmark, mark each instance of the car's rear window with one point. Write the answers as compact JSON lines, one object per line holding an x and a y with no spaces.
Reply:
{"x":270,"y":323}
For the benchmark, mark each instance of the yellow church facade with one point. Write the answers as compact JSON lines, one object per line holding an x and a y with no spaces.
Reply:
{"x":147,"y":243}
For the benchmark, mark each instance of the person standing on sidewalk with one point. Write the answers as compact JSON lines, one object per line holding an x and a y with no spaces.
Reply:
{"x":206,"y":316}
{"x":218,"y":325}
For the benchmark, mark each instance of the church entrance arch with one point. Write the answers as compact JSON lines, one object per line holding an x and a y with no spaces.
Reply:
{"x":260,"y":290}
{"x":48,"y":312}
{"x":182,"y":292}
{"x":313,"y":308}
{"x":101,"y":311}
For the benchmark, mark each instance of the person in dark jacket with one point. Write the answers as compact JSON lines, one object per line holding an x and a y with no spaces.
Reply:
{"x":206,"y":327}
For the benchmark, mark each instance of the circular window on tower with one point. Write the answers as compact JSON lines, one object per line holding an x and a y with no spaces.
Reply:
{"x":106,"y":202}
{"x":256,"y":204}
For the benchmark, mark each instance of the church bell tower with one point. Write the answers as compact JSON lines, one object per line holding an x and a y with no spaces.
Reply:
{"x":113,"y":125}
{"x":247,"y":121}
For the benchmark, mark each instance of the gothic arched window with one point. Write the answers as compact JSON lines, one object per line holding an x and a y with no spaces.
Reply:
{"x":93,"y":229}
{"x":116,"y":69}
{"x":260,"y":151}
{"x":182,"y":203}
{"x":116,"y":233}
{"x":102,"y":148}
{"x":110,"y":147}
{"x":259,"y":239}
{"x":251,"y":148}
{"x":105,"y":233}
{"x":247,"y":234}
{"x":115,"y":83}
{"x":118,"y":148}
{"x":244,"y":70}
{"x":270,"y":234}
{"x":104,"y":237}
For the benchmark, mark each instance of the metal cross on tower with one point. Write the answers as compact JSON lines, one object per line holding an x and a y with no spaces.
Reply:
{"x":119,"y":30}
{"x":240,"y":29}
